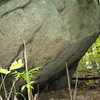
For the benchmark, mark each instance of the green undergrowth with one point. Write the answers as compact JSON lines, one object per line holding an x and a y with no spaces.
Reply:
{"x":17,"y":75}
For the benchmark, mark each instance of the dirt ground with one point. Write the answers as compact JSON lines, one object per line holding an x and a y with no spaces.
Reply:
{"x":86,"y":90}
{"x":92,"y":94}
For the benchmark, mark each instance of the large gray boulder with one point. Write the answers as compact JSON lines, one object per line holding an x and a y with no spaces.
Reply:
{"x":55,"y":32}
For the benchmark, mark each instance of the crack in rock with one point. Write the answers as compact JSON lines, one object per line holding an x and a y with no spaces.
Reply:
{"x":3,"y":1}
{"x":32,"y":38}
{"x":28,"y":42}
{"x":21,"y":7}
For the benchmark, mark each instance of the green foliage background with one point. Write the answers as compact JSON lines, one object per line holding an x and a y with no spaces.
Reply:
{"x":91,"y":60}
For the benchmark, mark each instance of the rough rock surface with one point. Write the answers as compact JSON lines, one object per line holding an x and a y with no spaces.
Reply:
{"x":55,"y":31}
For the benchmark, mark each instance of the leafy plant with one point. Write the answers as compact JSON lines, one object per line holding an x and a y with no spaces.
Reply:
{"x":12,"y":71}
{"x":15,"y":65}
{"x":23,"y":74}
{"x":28,"y":85}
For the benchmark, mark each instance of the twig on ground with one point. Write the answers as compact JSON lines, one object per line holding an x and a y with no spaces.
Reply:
{"x":5,"y":91}
{"x":68,"y":79}
{"x":75,"y":90}
{"x":35,"y":97}
{"x":16,"y":79}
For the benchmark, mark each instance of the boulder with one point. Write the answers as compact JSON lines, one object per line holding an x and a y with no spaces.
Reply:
{"x":54,"y":31}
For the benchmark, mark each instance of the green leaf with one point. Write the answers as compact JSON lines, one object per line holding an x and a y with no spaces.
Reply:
{"x":28,"y":85}
{"x":16,"y":65}
{"x":4,"y":71}
{"x":23,"y":87}
{"x":35,"y":69}
{"x":14,"y":73}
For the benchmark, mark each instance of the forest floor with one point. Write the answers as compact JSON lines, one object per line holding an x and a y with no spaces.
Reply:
{"x":63,"y":95}
{"x":88,"y":88}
